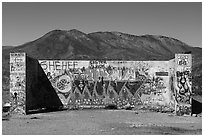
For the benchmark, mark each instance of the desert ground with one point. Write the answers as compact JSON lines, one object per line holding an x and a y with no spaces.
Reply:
{"x":102,"y":122}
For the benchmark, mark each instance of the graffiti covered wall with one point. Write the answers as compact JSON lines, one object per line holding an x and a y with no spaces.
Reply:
{"x":183,"y":83}
{"x":97,"y":83}
{"x":156,"y":90}
{"x":17,"y":81}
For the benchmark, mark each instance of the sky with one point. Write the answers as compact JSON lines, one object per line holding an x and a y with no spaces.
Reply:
{"x":25,"y":22}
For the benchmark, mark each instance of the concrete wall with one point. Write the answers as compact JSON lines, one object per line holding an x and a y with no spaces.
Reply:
{"x":98,"y":83}
{"x":116,"y":82}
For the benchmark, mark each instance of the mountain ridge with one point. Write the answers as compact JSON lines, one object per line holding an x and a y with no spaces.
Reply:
{"x":108,"y":45}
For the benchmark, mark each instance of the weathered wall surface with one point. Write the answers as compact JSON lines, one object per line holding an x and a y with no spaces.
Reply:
{"x":97,"y":83}
{"x":117,"y":82}
{"x":18,"y":81}
{"x":183,"y":82}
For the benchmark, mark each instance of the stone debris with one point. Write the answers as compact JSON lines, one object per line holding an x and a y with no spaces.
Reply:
{"x":6,"y":116}
{"x":197,"y":115}
{"x":156,"y":108}
{"x":34,"y":118}
{"x":136,"y":112}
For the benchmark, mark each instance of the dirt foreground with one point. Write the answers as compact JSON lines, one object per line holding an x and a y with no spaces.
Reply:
{"x":102,"y":122}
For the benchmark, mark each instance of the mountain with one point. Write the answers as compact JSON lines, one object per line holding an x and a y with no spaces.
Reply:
{"x":74,"y":44}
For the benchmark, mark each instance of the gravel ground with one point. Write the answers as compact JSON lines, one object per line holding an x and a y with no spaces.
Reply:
{"x":101,"y":122}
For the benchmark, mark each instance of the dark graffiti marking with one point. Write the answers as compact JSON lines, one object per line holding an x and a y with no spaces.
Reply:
{"x":184,"y":87}
{"x":92,"y":70}
{"x":183,"y":60}
{"x":62,"y":83}
{"x":17,"y":62}
{"x":58,"y":65}
{"x":161,"y":73}
{"x":97,"y":64}
{"x":20,"y":83}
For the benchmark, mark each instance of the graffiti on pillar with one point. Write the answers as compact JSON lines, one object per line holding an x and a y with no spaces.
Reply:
{"x":183,"y":82}
{"x":18,"y":81}
{"x":183,"y":86}
{"x":17,"y":62}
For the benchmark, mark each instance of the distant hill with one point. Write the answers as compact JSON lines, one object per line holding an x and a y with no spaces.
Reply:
{"x":74,"y":44}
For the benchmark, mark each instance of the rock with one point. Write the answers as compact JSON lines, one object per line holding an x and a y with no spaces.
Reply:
{"x":111,"y":106}
{"x":199,"y":115}
{"x":34,"y":118}
{"x":6,"y":116}
{"x":136,"y":112}
{"x":194,"y":115}
{"x":185,"y":115}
